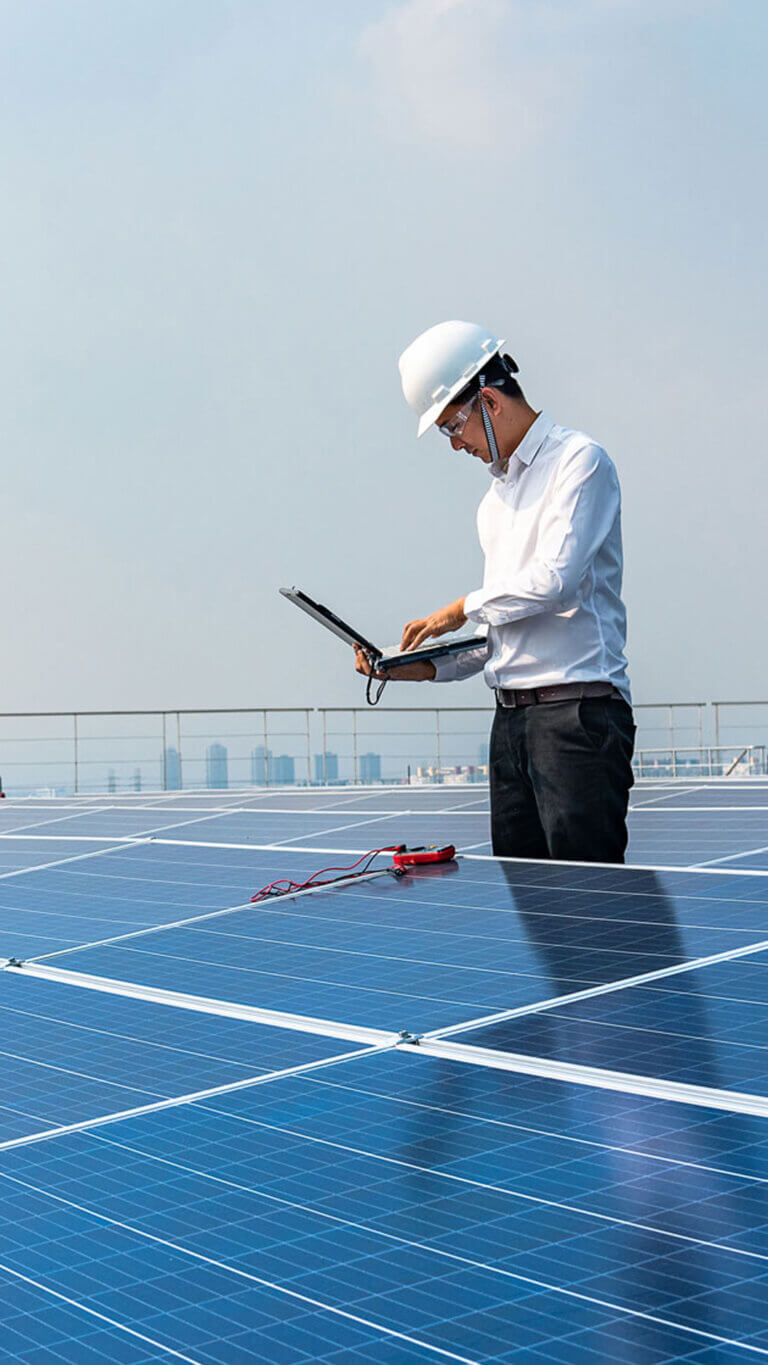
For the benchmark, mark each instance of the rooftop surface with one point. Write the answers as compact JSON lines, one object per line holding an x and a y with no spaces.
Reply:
{"x":493,"y":1110}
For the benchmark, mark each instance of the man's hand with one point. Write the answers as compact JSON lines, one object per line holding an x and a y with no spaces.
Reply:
{"x":439,"y":623}
{"x":418,"y":672}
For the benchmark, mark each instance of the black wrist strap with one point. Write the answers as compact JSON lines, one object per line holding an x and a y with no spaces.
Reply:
{"x":373,"y":700}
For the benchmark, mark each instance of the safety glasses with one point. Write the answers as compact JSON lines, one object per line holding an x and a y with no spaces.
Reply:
{"x":456,"y":424}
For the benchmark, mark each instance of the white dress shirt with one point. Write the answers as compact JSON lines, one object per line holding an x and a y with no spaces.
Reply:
{"x":550,"y":528}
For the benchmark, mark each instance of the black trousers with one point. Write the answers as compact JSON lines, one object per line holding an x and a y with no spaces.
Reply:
{"x":561,"y":773}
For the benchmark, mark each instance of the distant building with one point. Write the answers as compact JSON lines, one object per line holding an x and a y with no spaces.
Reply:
{"x":137,"y":780}
{"x":111,"y":781}
{"x":456,"y":775}
{"x":172,"y":770}
{"x":261,"y":765}
{"x":282,"y":770}
{"x":326,"y":767}
{"x":216,"y":766}
{"x":459,"y":774}
{"x":370,"y":767}
{"x":483,"y":755}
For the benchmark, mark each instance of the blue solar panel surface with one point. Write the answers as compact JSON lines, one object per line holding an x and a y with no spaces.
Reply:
{"x":704,"y":1027}
{"x":17,"y":855}
{"x":673,"y":824}
{"x":358,"y":1217}
{"x":71,"y":1054}
{"x":77,"y":899}
{"x":394,"y":1206}
{"x":429,"y":951}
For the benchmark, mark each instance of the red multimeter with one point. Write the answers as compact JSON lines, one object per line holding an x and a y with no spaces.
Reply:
{"x":416,"y":857}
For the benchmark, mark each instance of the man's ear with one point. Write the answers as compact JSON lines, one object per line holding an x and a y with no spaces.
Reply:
{"x":492,"y":401}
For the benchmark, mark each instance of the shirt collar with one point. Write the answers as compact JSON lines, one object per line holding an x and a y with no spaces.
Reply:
{"x":528,"y":448}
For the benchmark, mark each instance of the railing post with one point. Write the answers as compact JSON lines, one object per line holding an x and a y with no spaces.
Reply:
{"x":165,"y":758}
{"x":716,"y":705}
{"x":309,"y":749}
{"x":438,"y":752}
{"x":354,"y":745}
{"x":325,"y":746}
{"x":178,"y":749}
{"x":266,"y":750}
{"x":76,"y":755}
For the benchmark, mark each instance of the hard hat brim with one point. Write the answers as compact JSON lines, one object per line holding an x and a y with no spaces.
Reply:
{"x":429,"y":418}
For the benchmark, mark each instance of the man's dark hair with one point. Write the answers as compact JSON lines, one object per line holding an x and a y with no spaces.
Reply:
{"x":499,"y":374}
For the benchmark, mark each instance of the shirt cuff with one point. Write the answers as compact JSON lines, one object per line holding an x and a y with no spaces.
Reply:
{"x":474,"y":608}
{"x":445,"y":668}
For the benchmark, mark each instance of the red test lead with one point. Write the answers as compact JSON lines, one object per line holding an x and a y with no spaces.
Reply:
{"x":286,"y":887}
{"x":403,"y":858}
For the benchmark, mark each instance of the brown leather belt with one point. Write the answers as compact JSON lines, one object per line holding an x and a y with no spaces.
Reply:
{"x":533,"y":696}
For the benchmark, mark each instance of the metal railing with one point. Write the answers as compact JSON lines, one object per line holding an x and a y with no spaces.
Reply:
{"x":170,"y":749}
{"x":702,"y":761}
{"x":165,"y":750}
{"x":740,"y":722}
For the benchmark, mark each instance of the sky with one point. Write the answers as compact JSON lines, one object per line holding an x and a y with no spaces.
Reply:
{"x":222,"y":221}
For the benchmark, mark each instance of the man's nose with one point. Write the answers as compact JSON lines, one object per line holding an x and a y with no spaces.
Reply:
{"x":457,"y":443}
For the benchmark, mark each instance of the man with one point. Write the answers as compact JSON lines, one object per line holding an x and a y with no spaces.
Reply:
{"x":549,"y":525}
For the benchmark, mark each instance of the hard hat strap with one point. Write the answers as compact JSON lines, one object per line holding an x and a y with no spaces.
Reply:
{"x":490,"y":434}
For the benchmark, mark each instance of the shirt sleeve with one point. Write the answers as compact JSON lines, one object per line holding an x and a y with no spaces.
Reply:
{"x":583,"y":506}
{"x":456,"y":667}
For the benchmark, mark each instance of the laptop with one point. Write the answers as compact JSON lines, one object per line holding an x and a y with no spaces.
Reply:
{"x":384,"y":659}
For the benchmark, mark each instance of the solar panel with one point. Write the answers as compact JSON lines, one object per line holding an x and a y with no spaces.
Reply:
{"x":745,"y":862}
{"x":78,"y":898}
{"x":669,"y":824}
{"x":704,"y":796}
{"x":419,"y":953}
{"x":355,"y":1217}
{"x":24,"y":855}
{"x":70,"y":1055}
{"x":662,"y":831}
{"x":218,"y":1146}
{"x":704,"y":1027}
{"x":680,"y":835}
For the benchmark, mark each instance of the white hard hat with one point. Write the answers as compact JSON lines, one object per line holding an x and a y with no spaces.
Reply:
{"x":440,"y":363}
